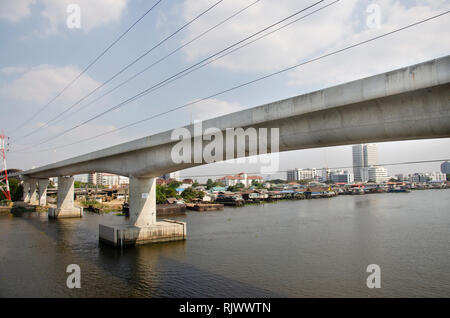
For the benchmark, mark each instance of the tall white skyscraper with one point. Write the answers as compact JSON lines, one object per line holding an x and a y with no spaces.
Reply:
{"x":358,"y":162}
{"x":364,"y":156}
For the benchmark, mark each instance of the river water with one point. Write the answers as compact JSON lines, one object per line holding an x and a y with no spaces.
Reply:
{"x":309,"y":248}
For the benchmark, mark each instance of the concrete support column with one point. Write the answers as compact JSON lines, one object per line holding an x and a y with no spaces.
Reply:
{"x":33,"y":192}
{"x":43,"y":183}
{"x":65,"y":207}
{"x":66,"y":191}
{"x":142,"y":227}
{"x":26,"y":191}
{"x":142,"y":201}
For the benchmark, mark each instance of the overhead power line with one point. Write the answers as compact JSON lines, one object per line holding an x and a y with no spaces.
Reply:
{"x":124,"y":68}
{"x":334,"y":168}
{"x":234,"y":50}
{"x":159,"y":61}
{"x":177,"y":74}
{"x":87,"y":67}
{"x":249,"y":82}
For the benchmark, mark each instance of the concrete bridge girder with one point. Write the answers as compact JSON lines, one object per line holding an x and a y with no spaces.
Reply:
{"x":421,"y":114}
{"x":409,"y":103}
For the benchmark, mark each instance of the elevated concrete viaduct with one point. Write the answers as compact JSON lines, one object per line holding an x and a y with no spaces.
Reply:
{"x":409,"y":103}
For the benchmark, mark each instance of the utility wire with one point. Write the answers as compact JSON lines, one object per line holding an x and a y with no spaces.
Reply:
{"x":161,"y":59}
{"x":87,"y":67}
{"x":334,"y":168}
{"x":250,"y":82}
{"x":124,"y":69}
{"x":175,"y":75}
{"x":234,"y":50}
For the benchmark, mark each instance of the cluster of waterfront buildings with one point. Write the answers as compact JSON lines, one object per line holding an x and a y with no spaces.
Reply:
{"x":365,"y":169}
{"x":107,"y":180}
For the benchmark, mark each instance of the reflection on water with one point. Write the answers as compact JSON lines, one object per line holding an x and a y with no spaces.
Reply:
{"x":310,"y":248}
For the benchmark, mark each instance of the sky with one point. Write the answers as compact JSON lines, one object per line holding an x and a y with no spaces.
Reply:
{"x":40,"y":55}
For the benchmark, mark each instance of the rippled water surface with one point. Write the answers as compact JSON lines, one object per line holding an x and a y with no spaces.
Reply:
{"x":310,"y":248}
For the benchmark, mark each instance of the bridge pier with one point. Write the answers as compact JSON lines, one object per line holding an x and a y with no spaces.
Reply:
{"x":42,"y":184}
{"x":26,"y":191}
{"x":33,"y":192}
{"x":65,"y":207}
{"x":142,"y":227}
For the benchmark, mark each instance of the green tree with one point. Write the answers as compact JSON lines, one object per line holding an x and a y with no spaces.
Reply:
{"x":174,"y":184}
{"x":257,"y":184}
{"x":170,"y":192}
{"x":189,"y":194}
{"x":211,"y":184}
{"x":78,"y":184}
{"x":236,"y":187}
{"x":448,"y":176}
{"x":160,"y":194}
{"x":16,"y":190}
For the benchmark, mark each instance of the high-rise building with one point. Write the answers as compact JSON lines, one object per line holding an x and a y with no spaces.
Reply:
{"x":358,"y":162}
{"x":428,"y":177}
{"x":107,"y":179}
{"x":301,"y":174}
{"x":377,"y":174}
{"x":364,"y":157}
{"x":292,"y":175}
{"x":326,"y":174}
{"x":341,"y":176}
{"x":92,"y":178}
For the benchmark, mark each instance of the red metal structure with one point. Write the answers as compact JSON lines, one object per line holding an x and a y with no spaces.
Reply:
{"x":4,"y":184}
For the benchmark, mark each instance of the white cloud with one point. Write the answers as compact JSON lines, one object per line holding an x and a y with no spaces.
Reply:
{"x":14,"y":10}
{"x":211,"y":108}
{"x":423,"y":42}
{"x":41,"y":83}
{"x":280,"y":49}
{"x":93,"y":13}
{"x":330,"y":29}
{"x":11,"y":70}
{"x":46,"y":153}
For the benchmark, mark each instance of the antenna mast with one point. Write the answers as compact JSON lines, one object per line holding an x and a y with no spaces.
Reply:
{"x":4,"y":183}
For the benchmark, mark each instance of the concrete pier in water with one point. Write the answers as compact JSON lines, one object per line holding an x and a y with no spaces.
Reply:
{"x":142,"y":227}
